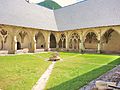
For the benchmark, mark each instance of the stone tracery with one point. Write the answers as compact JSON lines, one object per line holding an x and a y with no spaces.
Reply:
{"x":62,"y":41}
{"x":74,"y":41}
{"x":22,"y":35}
{"x":91,"y":41}
{"x":110,"y":41}
{"x":4,"y":35}
{"x":106,"y":40}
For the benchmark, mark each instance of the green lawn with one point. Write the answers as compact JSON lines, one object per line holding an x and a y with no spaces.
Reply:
{"x":77,"y":70}
{"x":21,"y":72}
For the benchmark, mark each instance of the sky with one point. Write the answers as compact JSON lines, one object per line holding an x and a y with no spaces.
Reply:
{"x":60,"y":2}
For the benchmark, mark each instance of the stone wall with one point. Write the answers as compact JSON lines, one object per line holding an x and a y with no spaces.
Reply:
{"x":70,"y":40}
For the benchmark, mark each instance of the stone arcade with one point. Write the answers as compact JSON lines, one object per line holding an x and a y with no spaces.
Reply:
{"x":89,"y":26}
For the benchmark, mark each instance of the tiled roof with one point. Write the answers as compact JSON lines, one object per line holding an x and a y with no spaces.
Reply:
{"x":22,"y":13}
{"x":90,"y":13}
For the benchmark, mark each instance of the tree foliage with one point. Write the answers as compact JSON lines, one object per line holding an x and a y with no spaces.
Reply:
{"x":50,"y":4}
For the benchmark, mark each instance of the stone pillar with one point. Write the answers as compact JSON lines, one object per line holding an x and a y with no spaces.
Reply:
{"x":99,"y":42}
{"x":57,"y":46}
{"x":81,"y":43}
{"x":57,"y":42}
{"x":32,"y":46}
{"x":47,"y":44}
{"x":82,"y":46}
{"x":99,"y":47}
{"x":67,"y":42}
{"x":13,"y":44}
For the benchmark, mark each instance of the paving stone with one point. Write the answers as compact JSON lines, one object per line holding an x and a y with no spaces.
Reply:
{"x":40,"y":85}
{"x":107,"y":77}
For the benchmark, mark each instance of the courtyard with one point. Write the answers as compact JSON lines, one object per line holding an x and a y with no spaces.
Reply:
{"x":86,"y":35}
{"x":21,"y":72}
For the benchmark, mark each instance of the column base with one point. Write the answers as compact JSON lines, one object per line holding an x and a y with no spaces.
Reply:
{"x":31,"y":51}
{"x":47,"y":49}
{"x":98,"y":51}
{"x":67,"y":49}
{"x":11,"y":52}
{"x":81,"y":51}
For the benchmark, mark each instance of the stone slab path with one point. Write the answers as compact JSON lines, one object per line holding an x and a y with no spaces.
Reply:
{"x":107,"y":77}
{"x":40,"y":85}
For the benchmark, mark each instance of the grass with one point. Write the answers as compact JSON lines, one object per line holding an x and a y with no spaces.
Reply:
{"x":21,"y":72}
{"x":77,"y":70}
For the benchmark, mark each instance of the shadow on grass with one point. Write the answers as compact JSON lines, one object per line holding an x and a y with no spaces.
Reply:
{"x":71,"y":52}
{"x":78,"y":82}
{"x":115,"y":54}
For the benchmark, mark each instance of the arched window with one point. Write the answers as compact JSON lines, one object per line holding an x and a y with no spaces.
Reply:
{"x":4,"y":35}
{"x":110,"y":41}
{"x":74,"y":41}
{"x":62,"y":41}
{"x":23,"y":40}
{"x":91,"y":41}
{"x":40,"y":40}
{"x":91,"y":37}
{"x":52,"y":41}
{"x":107,"y":35}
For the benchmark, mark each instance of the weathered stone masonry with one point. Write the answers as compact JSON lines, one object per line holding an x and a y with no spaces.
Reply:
{"x":98,"y":39}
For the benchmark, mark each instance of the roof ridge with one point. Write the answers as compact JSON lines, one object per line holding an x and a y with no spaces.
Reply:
{"x":72,"y":4}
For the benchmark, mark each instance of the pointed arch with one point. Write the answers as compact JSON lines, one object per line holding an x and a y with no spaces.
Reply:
{"x":23,"y":40}
{"x":74,"y":41}
{"x":110,"y":41}
{"x":90,"y":41}
{"x":62,"y":41}
{"x":52,"y":41}
{"x":40,"y":40}
{"x":4,"y":37}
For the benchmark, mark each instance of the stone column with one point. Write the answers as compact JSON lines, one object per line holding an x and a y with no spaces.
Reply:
{"x":81,"y":43}
{"x":99,"y":42}
{"x":67,"y":42}
{"x":32,"y":46}
{"x":13,"y":44}
{"x":99,"y":47}
{"x":57,"y":43}
{"x":47,"y":44}
{"x":82,"y":46}
{"x":57,"y":46}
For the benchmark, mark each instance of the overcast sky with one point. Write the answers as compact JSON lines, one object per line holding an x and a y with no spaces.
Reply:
{"x":61,"y":2}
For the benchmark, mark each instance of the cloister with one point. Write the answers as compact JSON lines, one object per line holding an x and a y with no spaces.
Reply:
{"x":97,"y":40}
{"x":73,"y":28}
{"x":86,"y":35}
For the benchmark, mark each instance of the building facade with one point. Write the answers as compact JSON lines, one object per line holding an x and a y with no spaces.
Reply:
{"x":89,"y":26}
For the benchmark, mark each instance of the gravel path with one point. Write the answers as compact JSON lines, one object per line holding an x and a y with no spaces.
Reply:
{"x":111,"y":76}
{"x":40,"y":85}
